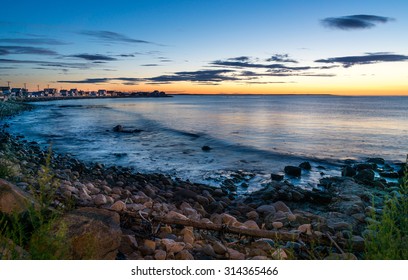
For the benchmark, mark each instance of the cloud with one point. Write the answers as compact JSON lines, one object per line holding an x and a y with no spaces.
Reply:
{"x":93,"y":57}
{"x":113,"y":37}
{"x":369,"y":58}
{"x":125,"y":80}
{"x":196,"y":76}
{"x":281,"y":58}
{"x":273,"y":73}
{"x":240,"y":58}
{"x":240,"y":64}
{"x":128,"y":55}
{"x":32,"y":41}
{"x":46,"y":63}
{"x":354,"y":22}
{"x":7,"y":50}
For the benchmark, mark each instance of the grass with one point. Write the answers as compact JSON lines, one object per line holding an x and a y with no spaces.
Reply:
{"x":35,"y":230}
{"x":388,"y":233}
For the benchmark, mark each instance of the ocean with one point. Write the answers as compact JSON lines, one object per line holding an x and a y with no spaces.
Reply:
{"x":250,"y":135}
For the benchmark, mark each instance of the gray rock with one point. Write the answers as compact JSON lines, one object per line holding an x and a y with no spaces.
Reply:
{"x":305,"y":165}
{"x":277,"y":177}
{"x":293,"y":171}
{"x":365,"y":176}
{"x":348,"y":171}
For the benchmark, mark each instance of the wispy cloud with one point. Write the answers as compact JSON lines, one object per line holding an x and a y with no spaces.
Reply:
{"x":282,"y":58}
{"x":354,"y":22}
{"x":46,"y":63}
{"x":32,"y":41}
{"x":369,"y":58}
{"x":196,"y":76}
{"x":112,"y":37}
{"x":245,"y":64}
{"x":6,"y":50}
{"x":240,"y":58}
{"x":93,"y":57}
{"x":125,"y":80}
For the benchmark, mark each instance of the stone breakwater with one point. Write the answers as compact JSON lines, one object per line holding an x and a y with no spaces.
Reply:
{"x":138,"y":216}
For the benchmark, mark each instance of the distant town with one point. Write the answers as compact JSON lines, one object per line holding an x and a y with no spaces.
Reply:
{"x":7,"y":92}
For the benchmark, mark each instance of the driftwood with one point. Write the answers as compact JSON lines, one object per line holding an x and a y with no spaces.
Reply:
{"x":325,"y":239}
{"x":261,"y":233}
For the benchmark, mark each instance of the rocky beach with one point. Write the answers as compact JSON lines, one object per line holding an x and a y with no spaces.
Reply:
{"x":113,"y":212}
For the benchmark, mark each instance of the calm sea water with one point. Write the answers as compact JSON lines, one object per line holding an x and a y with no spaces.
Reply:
{"x":257,"y":134}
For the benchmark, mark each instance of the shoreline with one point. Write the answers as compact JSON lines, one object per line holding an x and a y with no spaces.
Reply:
{"x":341,"y":210}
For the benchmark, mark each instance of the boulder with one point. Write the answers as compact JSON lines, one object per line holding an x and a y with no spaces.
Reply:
{"x":305,"y":165}
{"x":363,"y":166}
{"x":389,"y":174}
{"x":365,"y":176}
{"x":281,"y":206}
{"x":293,"y":171}
{"x":99,"y":200}
{"x":348,"y":171}
{"x":160,"y":255}
{"x":184,"y":255}
{"x":277,"y":177}
{"x":118,"y":128}
{"x":12,"y":199}
{"x":92,"y":233}
{"x":118,"y":206}
{"x":235,"y":255}
{"x":319,"y":197}
{"x":376,"y":160}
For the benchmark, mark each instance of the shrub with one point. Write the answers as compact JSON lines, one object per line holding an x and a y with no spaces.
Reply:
{"x":388,"y":234}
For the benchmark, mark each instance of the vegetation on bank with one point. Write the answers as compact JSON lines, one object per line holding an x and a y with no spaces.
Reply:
{"x":388,"y":233}
{"x":35,"y":233}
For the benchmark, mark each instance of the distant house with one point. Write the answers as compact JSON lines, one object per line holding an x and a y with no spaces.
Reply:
{"x":5,"y":90}
{"x":73,"y":92}
{"x":102,"y":92}
{"x":50,"y":91}
{"x":64,"y":92}
{"x":111,"y":93}
{"x":16,"y":92}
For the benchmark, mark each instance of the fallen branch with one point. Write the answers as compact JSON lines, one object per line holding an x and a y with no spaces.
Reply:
{"x":326,"y":239}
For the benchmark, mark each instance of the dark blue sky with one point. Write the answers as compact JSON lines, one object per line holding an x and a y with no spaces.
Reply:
{"x":207,"y":46}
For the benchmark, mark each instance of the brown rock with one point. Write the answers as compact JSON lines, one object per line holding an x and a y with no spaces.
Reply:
{"x":92,"y":233}
{"x":99,"y":200}
{"x":251,"y":224}
{"x":253,"y":215}
{"x":281,"y":206}
{"x":160,"y":255}
{"x":118,"y":206}
{"x":305,"y":228}
{"x":277,"y":225}
{"x":219,"y":248}
{"x":279,"y":254}
{"x":173,"y":246}
{"x":128,"y":244}
{"x":12,"y":199}
{"x":184,"y":255}
{"x":228,"y":219}
{"x":235,"y":255}
{"x":150,"y":244}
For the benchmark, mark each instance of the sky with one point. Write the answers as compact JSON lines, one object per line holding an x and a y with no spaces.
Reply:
{"x":342,"y":47}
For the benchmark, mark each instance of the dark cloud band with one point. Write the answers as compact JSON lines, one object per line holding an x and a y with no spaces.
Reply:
{"x":370,"y":58}
{"x":354,"y":22}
